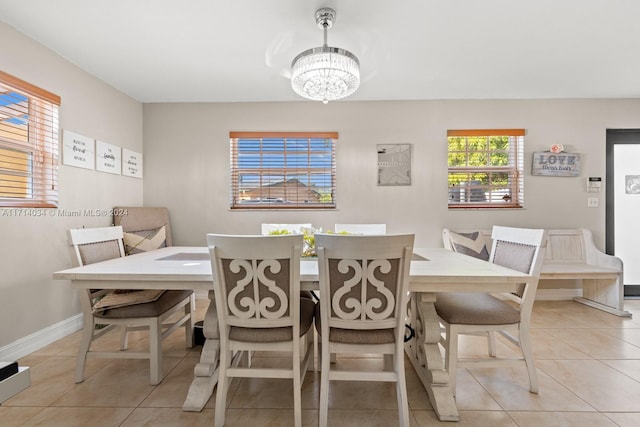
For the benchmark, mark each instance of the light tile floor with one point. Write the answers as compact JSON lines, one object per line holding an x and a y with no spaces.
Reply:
{"x":588,"y":363}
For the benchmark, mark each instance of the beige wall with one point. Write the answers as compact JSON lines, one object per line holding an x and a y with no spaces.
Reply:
{"x":32,"y":247}
{"x":186,"y":149}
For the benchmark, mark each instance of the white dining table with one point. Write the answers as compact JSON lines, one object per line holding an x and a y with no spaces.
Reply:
{"x":432,"y":271}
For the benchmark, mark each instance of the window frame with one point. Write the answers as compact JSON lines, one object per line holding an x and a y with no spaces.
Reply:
{"x":514,"y":199}
{"x":287,"y":193}
{"x":38,"y":141}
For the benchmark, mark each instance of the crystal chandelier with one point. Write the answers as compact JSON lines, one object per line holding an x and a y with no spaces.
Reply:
{"x":325,"y":73}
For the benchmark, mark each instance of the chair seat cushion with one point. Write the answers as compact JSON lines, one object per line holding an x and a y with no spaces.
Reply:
{"x":307,"y":308}
{"x":168,"y":300}
{"x":356,"y":336}
{"x":469,"y":308}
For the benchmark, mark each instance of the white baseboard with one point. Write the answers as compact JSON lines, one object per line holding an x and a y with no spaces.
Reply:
{"x":557,"y":294}
{"x":40,"y":339}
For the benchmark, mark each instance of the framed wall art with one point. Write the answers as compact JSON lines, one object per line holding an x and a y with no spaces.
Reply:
{"x":394,"y":164}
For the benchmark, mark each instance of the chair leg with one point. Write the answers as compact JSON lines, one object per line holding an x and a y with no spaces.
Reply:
{"x":527,"y":352}
{"x":221,"y":388}
{"x":297,"y":385}
{"x":309,"y":345}
{"x":188,"y":325}
{"x":325,"y":360}
{"x":491,"y":338}
{"x":155,"y":351}
{"x":124,"y":338}
{"x":85,"y":344}
{"x":401,"y":390}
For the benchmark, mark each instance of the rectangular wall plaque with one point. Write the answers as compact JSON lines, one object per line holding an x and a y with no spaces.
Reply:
{"x":556,"y":164}
{"x":78,"y":150}
{"x":394,"y":164}
{"x":131,"y":163}
{"x":108,"y":158}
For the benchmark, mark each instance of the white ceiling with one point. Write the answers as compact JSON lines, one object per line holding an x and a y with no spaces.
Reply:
{"x":241,"y":50}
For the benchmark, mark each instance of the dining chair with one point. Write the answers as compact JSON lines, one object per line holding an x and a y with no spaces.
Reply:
{"x":257,"y":295}
{"x":361,"y":228}
{"x":160,"y":311}
{"x":484,"y":314}
{"x":364,"y":282}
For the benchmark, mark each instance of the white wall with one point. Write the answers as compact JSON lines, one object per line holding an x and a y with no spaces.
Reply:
{"x":32,"y":247}
{"x":186,"y":149}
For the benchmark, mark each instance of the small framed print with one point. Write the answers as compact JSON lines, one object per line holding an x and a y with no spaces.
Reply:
{"x":108,"y":158}
{"x":394,"y":164}
{"x":131,"y":163}
{"x":78,"y":150}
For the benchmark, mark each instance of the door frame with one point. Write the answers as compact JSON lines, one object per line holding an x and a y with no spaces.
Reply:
{"x":616,"y":136}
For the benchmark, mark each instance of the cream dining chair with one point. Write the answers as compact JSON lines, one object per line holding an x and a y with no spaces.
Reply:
{"x":364,"y":282}
{"x":154,"y":310}
{"x":483,"y":314}
{"x":257,"y":296}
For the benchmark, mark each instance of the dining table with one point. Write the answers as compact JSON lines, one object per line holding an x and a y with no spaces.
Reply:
{"x":433,"y":270}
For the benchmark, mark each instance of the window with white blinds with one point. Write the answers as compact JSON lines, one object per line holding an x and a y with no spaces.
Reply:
{"x":485,"y":168}
{"x":283,"y":170}
{"x":28,"y":144}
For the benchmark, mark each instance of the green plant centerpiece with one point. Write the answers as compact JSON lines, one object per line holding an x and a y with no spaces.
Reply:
{"x":308,"y":236}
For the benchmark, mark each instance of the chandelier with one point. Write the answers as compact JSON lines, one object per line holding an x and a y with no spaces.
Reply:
{"x":325,"y":73}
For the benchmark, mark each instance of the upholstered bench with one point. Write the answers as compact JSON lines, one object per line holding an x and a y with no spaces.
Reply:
{"x":569,"y":255}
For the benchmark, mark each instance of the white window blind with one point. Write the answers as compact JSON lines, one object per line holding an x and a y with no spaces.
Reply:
{"x":485,"y":168}
{"x":28,"y":144}
{"x":283,"y":170}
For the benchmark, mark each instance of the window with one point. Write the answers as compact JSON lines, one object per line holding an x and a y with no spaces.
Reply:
{"x":486,"y":168}
{"x":28,"y":145}
{"x":287,"y":170}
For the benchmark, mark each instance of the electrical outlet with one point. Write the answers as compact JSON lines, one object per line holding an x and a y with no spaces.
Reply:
{"x":592,"y":202}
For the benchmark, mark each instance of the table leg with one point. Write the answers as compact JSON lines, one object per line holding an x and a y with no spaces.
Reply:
{"x":424,"y":354}
{"x":206,"y":371}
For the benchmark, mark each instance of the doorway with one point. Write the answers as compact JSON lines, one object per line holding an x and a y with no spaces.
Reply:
{"x":623,"y":203}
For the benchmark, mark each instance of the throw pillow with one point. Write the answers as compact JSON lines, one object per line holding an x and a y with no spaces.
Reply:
{"x":472,"y":244}
{"x":145,"y":240}
{"x":116,"y":300}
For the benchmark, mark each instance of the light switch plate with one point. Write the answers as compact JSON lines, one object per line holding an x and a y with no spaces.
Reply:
{"x":592,"y":202}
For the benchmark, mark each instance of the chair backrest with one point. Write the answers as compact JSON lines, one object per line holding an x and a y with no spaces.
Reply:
{"x":145,"y":221}
{"x":363,"y":280}
{"x":361,"y":228}
{"x":256,"y":280}
{"x":90,"y":245}
{"x":291,"y":228}
{"x":520,"y":249}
